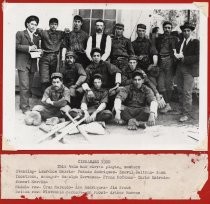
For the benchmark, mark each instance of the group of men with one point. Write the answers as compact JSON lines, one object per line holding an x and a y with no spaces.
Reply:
{"x":105,"y":75}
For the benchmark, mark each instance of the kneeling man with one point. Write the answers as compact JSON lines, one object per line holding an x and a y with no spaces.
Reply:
{"x":140,"y":104}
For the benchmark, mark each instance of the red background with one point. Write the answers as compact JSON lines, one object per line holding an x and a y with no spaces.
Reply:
{"x":204,"y":193}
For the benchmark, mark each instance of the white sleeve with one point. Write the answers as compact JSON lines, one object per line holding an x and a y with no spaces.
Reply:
{"x":107,"y":49}
{"x":89,"y":48}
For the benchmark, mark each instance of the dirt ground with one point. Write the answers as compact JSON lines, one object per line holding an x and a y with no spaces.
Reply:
{"x":168,"y":134}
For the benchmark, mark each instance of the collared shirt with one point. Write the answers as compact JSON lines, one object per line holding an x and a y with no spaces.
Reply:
{"x":106,"y":69}
{"x":165,"y":44}
{"x":51,"y":41}
{"x":143,"y":46}
{"x":74,"y":75}
{"x":76,"y":41}
{"x":56,"y":95}
{"x":121,"y":47}
{"x":136,"y":98}
{"x":101,"y":96}
{"x":98,"y":43}
{"x":30,"y":34}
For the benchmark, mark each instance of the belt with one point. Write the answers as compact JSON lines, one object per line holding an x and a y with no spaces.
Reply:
{"x":164,"y":56}
{"x":50,"y":52}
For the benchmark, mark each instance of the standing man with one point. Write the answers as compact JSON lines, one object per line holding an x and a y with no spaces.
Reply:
{"x":146,"y":52}
{"x":140,"y":104}
{"x":51,"y":41}
{"x":166,"y":46}
{"x":76,"y":41}
{"x":95,"y":108}
{"x":26,"y":42}
{"x":121,"y":48}
{"x":99,"y":40}
{"x":187,"y":69}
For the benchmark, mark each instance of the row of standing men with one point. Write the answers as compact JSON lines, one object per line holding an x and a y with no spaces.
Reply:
{"x":157,"y":57}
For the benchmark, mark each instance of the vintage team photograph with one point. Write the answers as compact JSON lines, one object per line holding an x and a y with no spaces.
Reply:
{"x":99,"y":76}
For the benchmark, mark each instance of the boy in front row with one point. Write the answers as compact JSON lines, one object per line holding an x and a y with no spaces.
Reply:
{"x":95,"y":107}
{"x":56,"y":98}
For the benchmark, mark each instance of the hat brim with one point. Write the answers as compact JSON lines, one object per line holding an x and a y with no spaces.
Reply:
{"x":190,"y":27}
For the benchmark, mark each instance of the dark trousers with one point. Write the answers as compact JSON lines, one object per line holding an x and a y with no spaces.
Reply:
{"x":104,"y":115}
{"x":185,"y":82}
{"x":165,"y":78}
{"x":140,"y":114}
{"x":47,"y":66}
{"x":25,"y":84}
{"x":120,"y":62}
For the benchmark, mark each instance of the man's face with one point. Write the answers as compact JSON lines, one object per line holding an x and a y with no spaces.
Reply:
{"x":138,"y":81}
{"x":132,"y":64}
{"x":57,"y":83}
{"x":32,"y":26}
{"x":70,"y":59}
{"x":77,"y":24}
{"x":141,"y":32}
{"x":96,"y":57}
{"x":186,"y":33}
{"x":53,"y":26}
{"x":167,"y":29}
{"x":97,"y":83}
{"x":99,"y":27}
{"x":119,"y":31}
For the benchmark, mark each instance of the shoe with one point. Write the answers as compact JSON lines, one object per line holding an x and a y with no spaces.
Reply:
{"x":141,"y":124}
{"x":166,"y":109}
{"x":183,"y":118}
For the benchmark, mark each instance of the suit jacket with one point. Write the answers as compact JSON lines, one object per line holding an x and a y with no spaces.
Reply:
{"x":23,"y":57}
{"x":191,"y":56}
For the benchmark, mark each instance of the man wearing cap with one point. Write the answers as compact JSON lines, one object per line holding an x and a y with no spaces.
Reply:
{"x":166,"y":46}
{"x":188,"y":67}
{"x":99,"y":40}
{"x":26,"y":42}
{"x":51,"y":41}
{"x":74,"y":77}
{"x":140,"y":105}
{"x":95,"y":108}
{"x":76,"y":41}
{"x":56,"y":98}
{"x":146,"y":52}
{"x":121,"y":47}
{"x":127,"y":79}
{"x":111,"y":75}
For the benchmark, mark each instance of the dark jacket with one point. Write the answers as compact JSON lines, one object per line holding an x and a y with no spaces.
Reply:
{"x":191,"y":56}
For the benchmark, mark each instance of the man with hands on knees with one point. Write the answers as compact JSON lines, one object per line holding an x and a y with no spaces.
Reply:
{"x":140,"y":105}
{"x":56,"y":98}
{"x":94,"y":106}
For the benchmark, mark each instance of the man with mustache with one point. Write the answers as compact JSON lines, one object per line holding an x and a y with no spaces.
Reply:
{"x":166,"y":47}
{"x":74,"y":77}
{"x":99,"y":40}
{"x":76,"y":41}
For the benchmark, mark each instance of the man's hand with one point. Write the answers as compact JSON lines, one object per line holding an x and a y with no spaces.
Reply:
{"x":32,"y":48}
{"x":151,"y":120}
{"x":66,"y":30}
{"x":49,"y":101}
{"x":117,"y":117}
{"x":90,"y":96}
{"x":93,"y":117}
{"x":161,"y":101}
{"x":73,"y":90}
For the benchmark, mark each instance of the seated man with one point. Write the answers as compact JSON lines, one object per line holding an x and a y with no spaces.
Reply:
{"x":127,"y":73}
{"x":111,"y":75}
{"x":56,"y":97}
{"x":74,"y":77}
{"x":96,"y":105}
{"x":140,"y":104}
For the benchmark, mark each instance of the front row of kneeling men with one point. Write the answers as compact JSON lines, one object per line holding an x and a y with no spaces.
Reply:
{"x":101,"y":91}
